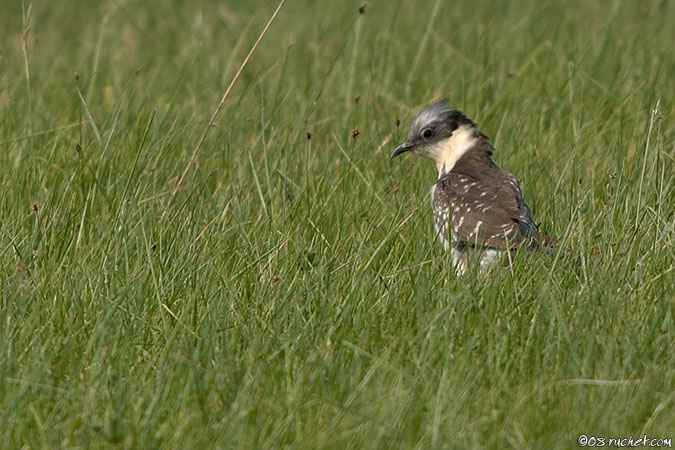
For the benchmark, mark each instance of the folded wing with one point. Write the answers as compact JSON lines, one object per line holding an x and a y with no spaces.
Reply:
{"x":488,"y":210}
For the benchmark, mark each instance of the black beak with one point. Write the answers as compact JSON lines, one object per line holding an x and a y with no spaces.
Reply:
{"x":405,"y":147}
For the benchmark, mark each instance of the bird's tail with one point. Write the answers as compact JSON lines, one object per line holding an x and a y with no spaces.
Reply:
{"x":547,"y":242}
{"x":552,"y":248}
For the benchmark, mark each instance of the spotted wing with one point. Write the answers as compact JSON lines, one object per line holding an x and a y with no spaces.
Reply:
{"x":489,"y":211}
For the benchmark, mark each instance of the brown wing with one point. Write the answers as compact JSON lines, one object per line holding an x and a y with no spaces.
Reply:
{"x":488,"y":209}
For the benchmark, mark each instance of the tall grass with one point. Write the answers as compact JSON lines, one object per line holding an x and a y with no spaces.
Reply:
{"x":292,"y":295}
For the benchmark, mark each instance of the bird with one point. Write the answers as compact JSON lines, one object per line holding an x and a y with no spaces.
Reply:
{"x":478,"y":208}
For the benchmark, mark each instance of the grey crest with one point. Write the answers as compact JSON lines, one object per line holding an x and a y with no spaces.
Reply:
{"x":439,"y":120}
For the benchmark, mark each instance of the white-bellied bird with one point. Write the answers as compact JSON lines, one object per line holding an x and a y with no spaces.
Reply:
{"x":478,"y":208}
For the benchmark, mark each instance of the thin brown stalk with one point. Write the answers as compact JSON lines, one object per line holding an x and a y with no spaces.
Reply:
{"x":24,"y":46}
{"x":193,"y":158}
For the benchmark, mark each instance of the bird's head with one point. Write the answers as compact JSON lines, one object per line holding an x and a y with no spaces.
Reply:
{"x":440,"y":134}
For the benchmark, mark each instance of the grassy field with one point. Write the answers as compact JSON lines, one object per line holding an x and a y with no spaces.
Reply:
{"x":290,"y":295}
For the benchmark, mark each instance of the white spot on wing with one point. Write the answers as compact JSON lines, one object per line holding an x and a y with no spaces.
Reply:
{"x":476,"y":229}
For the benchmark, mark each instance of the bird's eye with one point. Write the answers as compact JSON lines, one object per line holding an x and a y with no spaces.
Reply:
{"x":427,"y":133}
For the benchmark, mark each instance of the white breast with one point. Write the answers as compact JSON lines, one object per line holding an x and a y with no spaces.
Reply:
{"x":447,"y":152}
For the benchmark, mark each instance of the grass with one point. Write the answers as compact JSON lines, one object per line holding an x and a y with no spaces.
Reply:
{"x":291,"y":295}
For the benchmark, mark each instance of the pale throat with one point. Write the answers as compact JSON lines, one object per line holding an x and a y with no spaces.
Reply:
{"x":447,"y":152}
